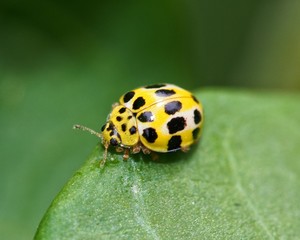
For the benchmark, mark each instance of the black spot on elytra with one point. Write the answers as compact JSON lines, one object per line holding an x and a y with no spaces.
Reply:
{"x":195,"y":99}
{"x":132,"y":130}
{"x":128,"y":96}
{"x":129,"y":117}
{"x":124,"y":127}
{"x":119,"y":119}
{"x":150,"y":134}
{"x":122,"y":110}
{"x":146,"y":117}
{"x":196,"y":133}
{"x":138,"y":103}
{"x":155,"y":86}
{"x":197,"y":116}
{"x":173,"y":107}
{"x":176,"y":124}
{"x":174,"y":143}
{"x":164,"y":92}
{"x":110,"y":127}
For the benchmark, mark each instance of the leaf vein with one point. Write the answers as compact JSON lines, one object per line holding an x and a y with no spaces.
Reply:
{"x":240,"y":188}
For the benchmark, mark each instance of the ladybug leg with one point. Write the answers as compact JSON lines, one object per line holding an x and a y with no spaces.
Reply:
{"x":145,"y":150}
{"x":126,"y":154}
{"x":185,"y":149}
{"x":102,"y":163}
{"x":119,"y":149}
{"x":136,"y":149}
{"x":154,"y":156}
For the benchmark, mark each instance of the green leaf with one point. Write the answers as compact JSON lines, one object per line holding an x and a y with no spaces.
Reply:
{"x":241,"y":181}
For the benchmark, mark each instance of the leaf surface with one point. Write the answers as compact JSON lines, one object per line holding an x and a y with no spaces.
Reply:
{"x":241,"y":181}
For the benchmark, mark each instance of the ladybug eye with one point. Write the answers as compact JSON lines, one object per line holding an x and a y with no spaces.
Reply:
{"x":113,"y":142}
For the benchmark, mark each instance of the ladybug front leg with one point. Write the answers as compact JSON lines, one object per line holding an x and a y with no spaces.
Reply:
{"x":126,"y":154}
{"x":125,"y":150}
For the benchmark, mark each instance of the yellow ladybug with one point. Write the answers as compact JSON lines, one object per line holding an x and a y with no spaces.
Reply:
{"x":155,"y":118}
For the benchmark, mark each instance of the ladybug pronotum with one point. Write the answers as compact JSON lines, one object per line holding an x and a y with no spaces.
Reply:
{"x":156,"y":118}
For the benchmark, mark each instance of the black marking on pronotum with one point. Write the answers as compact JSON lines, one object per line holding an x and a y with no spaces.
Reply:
{"x":103,"y":127}
{"x":132,"y":130}
{"x":128,"y":96}
{"x":123,"y":109}
{"x":155,"y":86}
{"x":124,"y":127}
{"x":138,"y":103}
{"x":146,"y":117}
{"x":176,"y":124}
{"x":197,"y":116}
{"x":174,"y":143}
{"x":113,"y":131}
{"x":110,"y":127}
{"x":173,"y":107}
{"x":150,"y":134}
{"x":196,"y":133}
{"x":165,"y":92}
{"x":119,"y":119}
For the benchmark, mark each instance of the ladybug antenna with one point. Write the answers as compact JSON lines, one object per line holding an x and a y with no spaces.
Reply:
{"x":91,"y":131}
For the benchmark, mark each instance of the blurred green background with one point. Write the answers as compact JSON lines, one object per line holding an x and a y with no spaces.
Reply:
{"x":63,"y":63}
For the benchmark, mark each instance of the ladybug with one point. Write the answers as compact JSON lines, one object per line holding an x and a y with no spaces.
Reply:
{"x":155,"y":118}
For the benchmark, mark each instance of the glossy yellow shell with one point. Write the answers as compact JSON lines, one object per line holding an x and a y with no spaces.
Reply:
{"x":162,"y":118}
